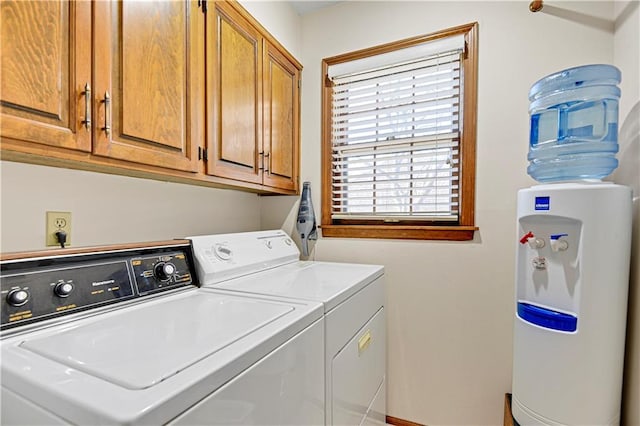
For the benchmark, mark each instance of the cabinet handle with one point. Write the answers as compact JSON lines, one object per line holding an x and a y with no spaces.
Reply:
{"x":266,"y":163}
{"x":107,"y":113}
{"x":87,"y":106}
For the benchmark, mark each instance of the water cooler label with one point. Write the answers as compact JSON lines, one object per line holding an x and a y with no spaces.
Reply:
{"x":542,"y":203}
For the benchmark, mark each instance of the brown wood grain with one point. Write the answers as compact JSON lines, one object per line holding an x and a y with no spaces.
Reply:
{"x":508,"y":417}
{"x":281,"y":119}
{"x":235,"y":4}
{"x":401,"y":422}
{"x":93,"y":249}
{"x":19,"y":151}
{"x":279,"y":113}
{"x":45,"y":65}
{"x":326,"y":148}
{"x":146,"y":54}
{"x":252,"y":102}
{"x":234,"y":95}
{"x":469,"y":126}
{"x":35,"y":57}
{"x":158,"y":109}
{"x":239,"y":98}
{"x":411,"y":232}
{"x":153,"y":66}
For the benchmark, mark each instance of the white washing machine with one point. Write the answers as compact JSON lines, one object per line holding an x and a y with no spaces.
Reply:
{"x":353,"y":299}
{"x":124,"y":336}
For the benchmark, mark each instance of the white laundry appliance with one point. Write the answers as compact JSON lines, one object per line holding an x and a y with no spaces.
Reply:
{"x":353,"y":299}
{"x":123,"y":335}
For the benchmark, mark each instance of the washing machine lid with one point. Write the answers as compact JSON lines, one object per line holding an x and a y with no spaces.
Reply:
{"x":144,"y":346}
{"x":327,"y":282}
{"x":182,"y":347}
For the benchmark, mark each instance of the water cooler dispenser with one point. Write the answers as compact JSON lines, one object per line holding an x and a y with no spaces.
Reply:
{"x":572,"y":258}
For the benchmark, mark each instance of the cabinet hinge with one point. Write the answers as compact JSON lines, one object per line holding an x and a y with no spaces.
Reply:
{"x":202,"y":154}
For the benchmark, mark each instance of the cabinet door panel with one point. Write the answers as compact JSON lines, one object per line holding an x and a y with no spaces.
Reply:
{"x":146,"y":47}
{"x":46,"y":62}
{"x":237,"y":94}
{"x":148,"y":57}
{"x":281,"y":120}
{"x":234,"y":96}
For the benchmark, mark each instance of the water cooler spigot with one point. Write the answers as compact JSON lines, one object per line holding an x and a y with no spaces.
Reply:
{"x":534,"y":243}
{"x":539,"y":263}
{"x":526,"y":237}
{"x":558,"y":244}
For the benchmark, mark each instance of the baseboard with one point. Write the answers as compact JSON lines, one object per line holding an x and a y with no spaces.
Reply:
{"x":400,"y":422}
{"x":508,"y":417}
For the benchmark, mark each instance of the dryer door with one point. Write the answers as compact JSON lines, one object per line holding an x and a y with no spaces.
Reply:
{"x":358,"y":372}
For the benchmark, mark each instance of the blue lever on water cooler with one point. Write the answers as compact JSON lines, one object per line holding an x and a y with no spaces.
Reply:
{"x":547,"y":318}
{"x":557,"y":236}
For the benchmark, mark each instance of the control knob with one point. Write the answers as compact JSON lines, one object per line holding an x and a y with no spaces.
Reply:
{"x":164,"y":271}
{"x":63,"y":289}
{"x":17,"y":297}
{"x":223,"y":252}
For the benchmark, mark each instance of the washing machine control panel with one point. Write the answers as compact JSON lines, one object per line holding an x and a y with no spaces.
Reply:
{"x":153,"y":273}
{"x":40,"y":289}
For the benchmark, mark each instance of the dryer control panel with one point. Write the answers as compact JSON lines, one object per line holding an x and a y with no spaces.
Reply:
{"x":223,"y":257}
{"x":38,"y":289}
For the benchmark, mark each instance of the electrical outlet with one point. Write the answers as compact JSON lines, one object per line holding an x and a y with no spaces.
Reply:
{"x":58,"y":221}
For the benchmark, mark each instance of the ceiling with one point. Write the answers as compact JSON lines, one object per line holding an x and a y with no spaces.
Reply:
{"x":304,"y":7}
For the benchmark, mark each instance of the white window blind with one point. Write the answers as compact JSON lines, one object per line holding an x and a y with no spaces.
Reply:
{"x":395,"y":138}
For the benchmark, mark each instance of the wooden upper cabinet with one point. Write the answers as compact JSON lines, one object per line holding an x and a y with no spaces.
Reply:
{"x":149,"y":74}
{"x":234,"y":95}
{"x":146,"y":88}
{"x":281,"y":120}
{"x":252,"y":103}
{"x":46,"y":63}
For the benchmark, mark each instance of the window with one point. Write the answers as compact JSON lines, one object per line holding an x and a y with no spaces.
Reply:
{"x":398,"y":134}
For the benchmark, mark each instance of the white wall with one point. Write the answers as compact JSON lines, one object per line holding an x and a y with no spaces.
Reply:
{"x":279,"y":18}
{"x":450,"y":305}
{"x":627,"y":58}
{"x":108,"y":209}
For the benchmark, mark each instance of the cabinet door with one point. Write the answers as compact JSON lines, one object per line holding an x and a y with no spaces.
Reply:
{"x":46,"y":63}
{"x":281,"y":120}
{"x":234,"y":96}
{"x":149,"y":72}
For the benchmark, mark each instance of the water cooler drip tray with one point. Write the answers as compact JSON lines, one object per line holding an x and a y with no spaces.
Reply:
{"x":547,"y":318}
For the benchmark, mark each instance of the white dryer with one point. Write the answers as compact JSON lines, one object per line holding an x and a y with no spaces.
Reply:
{"x":124,"y":336}
{"x":353,"y":299}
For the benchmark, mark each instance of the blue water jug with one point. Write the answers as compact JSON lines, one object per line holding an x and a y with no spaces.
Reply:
{"x":574,"y":124}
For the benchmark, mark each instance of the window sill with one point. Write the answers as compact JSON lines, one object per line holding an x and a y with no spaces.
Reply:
{"x":444,"y":233}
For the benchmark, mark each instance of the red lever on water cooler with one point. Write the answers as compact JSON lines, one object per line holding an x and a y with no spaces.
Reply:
{"x":526,"y":237}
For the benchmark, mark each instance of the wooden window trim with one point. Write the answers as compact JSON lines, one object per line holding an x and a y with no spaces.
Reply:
{"x":465,"y":228}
